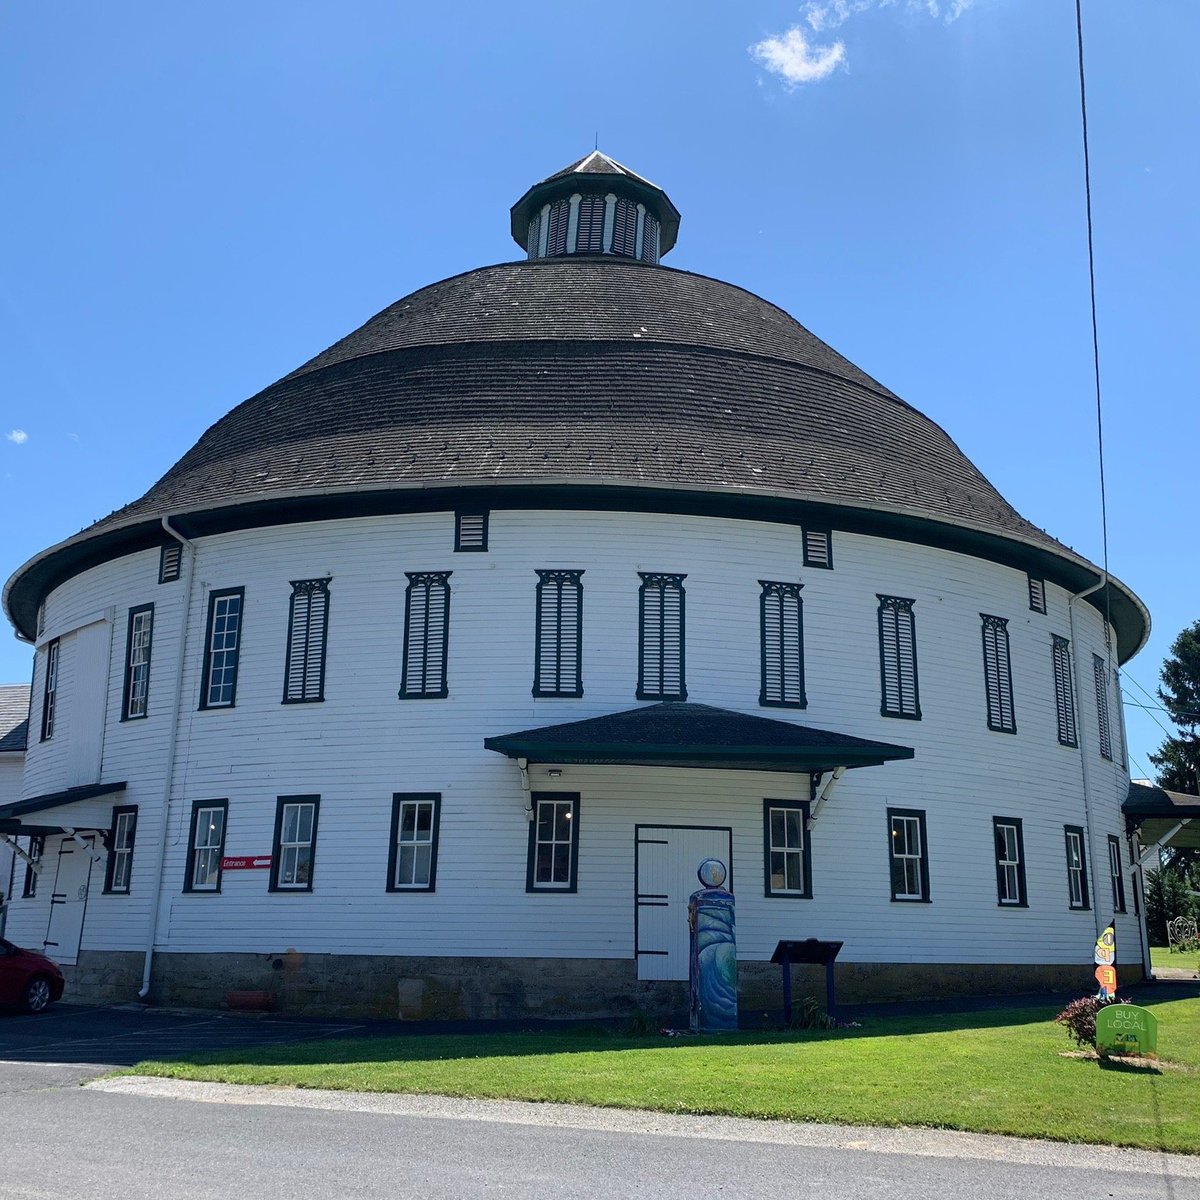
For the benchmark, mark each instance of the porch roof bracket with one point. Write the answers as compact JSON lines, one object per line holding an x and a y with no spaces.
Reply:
{"x":838,"y":772}
{"x":32,"y":863}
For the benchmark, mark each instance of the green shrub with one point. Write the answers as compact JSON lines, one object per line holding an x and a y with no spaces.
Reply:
{"x":1080,"y":1018}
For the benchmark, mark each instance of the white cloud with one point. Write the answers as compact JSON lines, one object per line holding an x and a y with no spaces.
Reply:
{"x":18,"y":437}
{"x":829,"y":14}
{"x":790,"y":56}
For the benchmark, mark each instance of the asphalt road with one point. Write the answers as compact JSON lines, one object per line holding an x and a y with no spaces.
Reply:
{"x":161,"y":1138}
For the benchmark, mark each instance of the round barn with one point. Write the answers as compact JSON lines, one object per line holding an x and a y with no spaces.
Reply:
{"x":421,"y":684}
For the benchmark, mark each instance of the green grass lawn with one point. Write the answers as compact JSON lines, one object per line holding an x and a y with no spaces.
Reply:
{"x":1161,"y":956}
{"x":993,"y":1072}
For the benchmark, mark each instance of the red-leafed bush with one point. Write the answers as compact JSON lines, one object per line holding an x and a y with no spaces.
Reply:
{"x":1080,"y":1018}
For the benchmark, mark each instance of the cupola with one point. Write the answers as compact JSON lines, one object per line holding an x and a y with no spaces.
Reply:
{"x":595,"y":206}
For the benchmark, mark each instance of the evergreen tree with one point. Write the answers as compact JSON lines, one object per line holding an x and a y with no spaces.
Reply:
{"x":1178,"y":758}
{"x":1166,"y":897}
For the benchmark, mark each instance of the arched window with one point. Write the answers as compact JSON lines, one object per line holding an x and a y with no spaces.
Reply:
{"x":560,"y":215}
{"x":589,"y":232}
{"x":624,"y":239}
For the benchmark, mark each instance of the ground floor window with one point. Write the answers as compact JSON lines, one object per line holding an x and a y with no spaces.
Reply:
{"x":1077,"y":888}
{"x":909,"y":854}
{"x":553,"y":843}
{"x":120,"y":849}
{"x":206,"y":845}
{"x":786,"y":850}
{"x":413,"y":859}
{"x":1010,"y":861}
{"x":295,"y":843}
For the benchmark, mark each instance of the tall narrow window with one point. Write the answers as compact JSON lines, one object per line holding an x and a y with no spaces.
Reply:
{"x":50,"y":691}
{"x":1077,"y":886}
{"x":898,"y":658}
{"x":997,"y":675}
{"x":120,"y":849}
{"x":786,"y":850}
{"x":295,"y":844}
{"x":661,"y":637}
{"x":535,"y":233}
{"x":650,"y":239}
{"x":426,"y":635}
{"x":1037,"y":594}
{"x":412,"y":862}
{"x":1010,"y":861}
{"x":222,"y":645}
{"x":818,"y":547}
{"x":470,"y":532}
{"x":589,"y":230}
{"x":1118,"y":725}
{"x":558,"y":652}
{"x":553,"y":843}
{"x":559,"y":220}
{"x":624,"y":239}
{"x":1100,"y":670}
{"x":37,"y":844}
{"x":206,"y":845}
{"x":170,"y":559}
{"x":1115,"y":874}
{"x":781,"y":618}
{"x":909,"y":854}
{"x":138,"y":641}
{"x":1064,"y":691}
{"x":308,"y":631}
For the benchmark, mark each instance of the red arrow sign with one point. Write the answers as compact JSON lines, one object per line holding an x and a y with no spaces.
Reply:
{"x":246,"y":864}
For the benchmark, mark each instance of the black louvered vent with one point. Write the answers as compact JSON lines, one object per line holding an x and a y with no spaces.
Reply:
{"x":558,"y":654}
{"x":661,"y":637}
{"x":560,"y":217}
{"x":470,"y":531}
{"x":898,"y":658}
{"x":624,"y":239}
{"x":782,"y":622}
{"x":308,"y":630}
{"x":650,"y":239}
{"x":1064,"y":692}
{"x":1037,"y":594}
{"x":1100,"y":670}
{"x":170,"y":559}
{"x":426,"y":635}
{"x":535,"y":233}
{"x":818,"y":548}
{"x":589,"y":230}
{"x":997,"y":674}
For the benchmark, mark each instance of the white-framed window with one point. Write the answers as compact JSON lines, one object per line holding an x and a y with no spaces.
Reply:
{"x":1010,"y":861}
{"x":206,"y":846}
{"x":553,"y":843}
{"x":138,"y":642}
{"x":909,"y":854}
{"x":295,"y":843}
{"x":413,"y":860}
{"x":786,"y":846}
{"x":120,"y":849}
{"x":1077,"y":888}
{"x":50,"y":691}
{"x":221,"y":649}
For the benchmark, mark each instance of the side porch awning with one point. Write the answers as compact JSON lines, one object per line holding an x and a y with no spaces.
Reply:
{"x":12,"y":815}
{"x":695,"y":735}
{"x":1163,"y":820}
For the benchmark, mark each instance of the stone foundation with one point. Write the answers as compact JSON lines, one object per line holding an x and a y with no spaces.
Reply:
{"x":423,"y":989}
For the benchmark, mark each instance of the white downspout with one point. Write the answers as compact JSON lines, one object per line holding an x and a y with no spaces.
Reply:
{"x":838,"y":772}
{"x":188,"y":550}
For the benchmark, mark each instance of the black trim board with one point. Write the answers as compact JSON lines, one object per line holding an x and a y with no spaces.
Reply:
{"x":87,"y":791}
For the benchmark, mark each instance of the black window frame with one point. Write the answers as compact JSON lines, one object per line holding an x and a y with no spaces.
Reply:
{"x":306,"y":589}
{"x":1022,"y":900}
{"x":50,"y":688}
{"x":1037,"y":593}
{"x":281,"y":804}
{"x":774,"y":675}
{"x":214,"y":597}
{"x":556,"y":582}
{"x":997,"y":674}
{"x":1070,"y":831}
{"x":36,"y":849}
{"x":1103,"y":712}
{"x":1116,"y":873}
{"x":902,"y":607}
{"x":463,"y":545}
{"x":919,"y":815}
{"x":662,"y":582}
{"x":399,"y":799}
{"x":531,"y":885}
{"x":127,"y":692}
{"x":811,"y":557}
{"x":170,"y":562}
{"x":110,"y":866}
{"x":803,"y":808}
{"x":426,"y":581}
{"x":1066,"y":715}
{"x":198,"y":806}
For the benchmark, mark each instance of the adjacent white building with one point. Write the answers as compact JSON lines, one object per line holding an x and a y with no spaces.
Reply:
{"x":423,"y":682}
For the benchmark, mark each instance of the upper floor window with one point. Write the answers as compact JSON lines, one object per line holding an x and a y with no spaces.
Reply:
{"x":1010,"y":861}
{"x":1064,"y":691}
{"x":649,"y":252}
{"x":909,"y":854}
{"x":295,"y":843}
{"x":786,"y":850}
{"x":661,"y":637}
{"x":781,"y":617}
{"x":308,"y":632}
{"x":997,"y":674}
{"x":898,"y":658}
{"x":222,"y":644}
{"x":121,"y":835}
{"x":1115,"y":874}
{"x":558,"y":221}
{"x":50,"y":691}
{"x":470,"y":531}
{"x":426,"y":635}
{"x":818,"y":547}
{"x":625,"y":223}
{"x":1037,"y":594}
{"x":1100,"y":670}
{"x":533,"y":242}
{"x":170,"y":560}
{"x":589,"y":227}
{"x":558,"y":652}
{"x":206,"y":846}
{"x":553,"y":843}
{"x":412,"y":863}
{"x":138,"y":641}
{"x":37,"y":845}
{"x":1077,"y":884}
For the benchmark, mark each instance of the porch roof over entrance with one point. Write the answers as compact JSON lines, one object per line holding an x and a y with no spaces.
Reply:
{"x":1169,"y":818}
{"x":11,"y":813}
{"x":695,"y":735}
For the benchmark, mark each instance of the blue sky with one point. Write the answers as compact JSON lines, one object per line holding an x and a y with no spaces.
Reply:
{"x":198,"y":198}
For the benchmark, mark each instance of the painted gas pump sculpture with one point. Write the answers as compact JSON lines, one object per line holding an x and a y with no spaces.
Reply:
{"x":713,"y":957}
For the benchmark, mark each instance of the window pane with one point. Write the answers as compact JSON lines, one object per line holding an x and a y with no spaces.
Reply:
{"x":424,"y":821}
{"x":794,"y":881}
{"x":562,"y":822}
{"x":794,"y":835}
{"x":777,"y":835}
{"x":778,"y":870}
{"x":422,"y":858}
{"x":562,"y":862}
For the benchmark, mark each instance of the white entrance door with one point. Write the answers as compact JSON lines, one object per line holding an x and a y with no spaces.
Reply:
{"x":68,"y":901}
{"x":666,"y":858}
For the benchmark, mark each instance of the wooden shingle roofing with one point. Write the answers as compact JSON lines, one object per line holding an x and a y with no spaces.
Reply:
{"x":14,"y":717}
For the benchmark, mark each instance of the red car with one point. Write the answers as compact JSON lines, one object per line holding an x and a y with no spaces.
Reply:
{"x":28,"y":980}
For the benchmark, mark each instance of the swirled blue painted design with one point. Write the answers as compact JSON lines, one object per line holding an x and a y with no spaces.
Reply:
{"x":714,"y":960}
